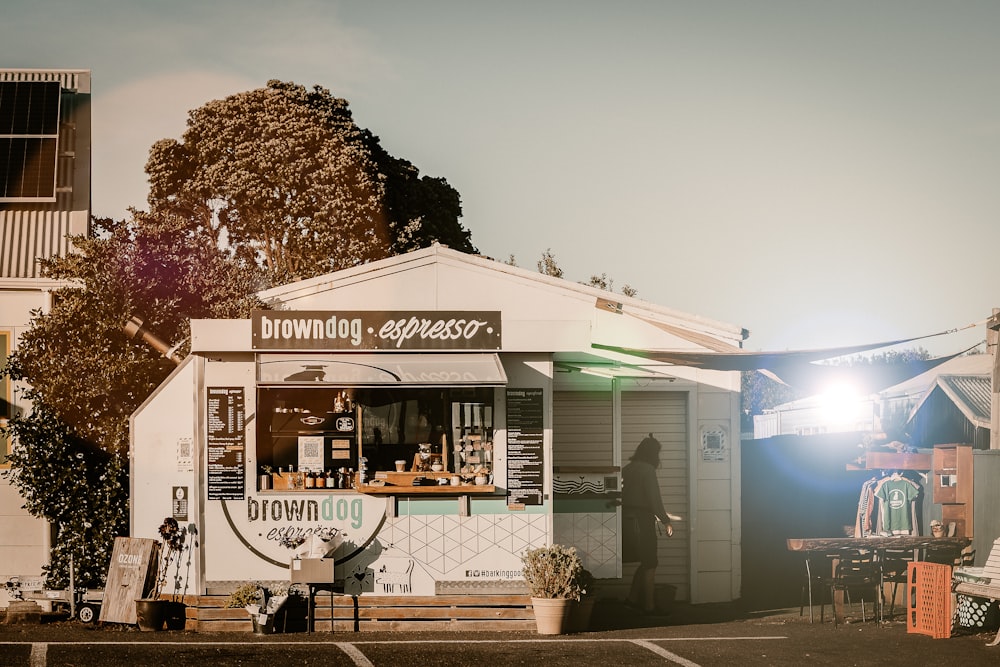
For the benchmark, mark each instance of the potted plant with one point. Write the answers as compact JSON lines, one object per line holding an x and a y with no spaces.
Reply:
{"x":553,"y":575}
{"x":261,"y":602}
{"x":248,"y":595}
{"x":153,"y":611}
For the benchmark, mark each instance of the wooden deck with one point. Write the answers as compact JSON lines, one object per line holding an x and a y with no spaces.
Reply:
{"x":343,"y":613}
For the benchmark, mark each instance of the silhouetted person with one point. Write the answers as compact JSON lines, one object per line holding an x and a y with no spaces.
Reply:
{"x":642,"y":507}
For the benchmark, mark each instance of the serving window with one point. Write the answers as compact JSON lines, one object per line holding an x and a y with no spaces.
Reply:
{"x":369,"y":420}
{"x":395,"y":436}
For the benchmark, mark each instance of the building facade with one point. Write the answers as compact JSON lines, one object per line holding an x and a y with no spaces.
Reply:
{"x":442,"y":412}
{"x":45,"y":142}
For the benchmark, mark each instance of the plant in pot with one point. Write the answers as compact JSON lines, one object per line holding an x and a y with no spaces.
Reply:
{"x":261,"y":602}
{"x":553,"y":575}
{"x":250,"y":596}
{"x":154,"y":611}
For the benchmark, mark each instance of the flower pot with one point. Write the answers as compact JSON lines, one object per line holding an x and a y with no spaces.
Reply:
{"x":176,"y":615}
{"x":275,"y":603}
{"x":552,"y":615}
{"x":263,"y":624}
{"x":151,"y":615}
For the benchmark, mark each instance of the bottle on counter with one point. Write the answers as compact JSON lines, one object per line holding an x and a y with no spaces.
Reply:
{"x":310,"y":480}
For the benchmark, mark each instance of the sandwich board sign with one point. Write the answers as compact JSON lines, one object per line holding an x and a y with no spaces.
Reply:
{"x":131,"y":576}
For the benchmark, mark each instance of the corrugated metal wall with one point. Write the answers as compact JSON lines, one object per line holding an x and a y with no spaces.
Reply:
{"x":27,"y":235}
{"x":583,"y":428}
{"x":664,"y":414}
{"x":583,"y":435}
{"x":986,"y":500}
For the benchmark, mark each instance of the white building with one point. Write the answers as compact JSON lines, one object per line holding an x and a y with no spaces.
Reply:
{"x":503,"y":381}
{"x":44,"y":196}
{"x":873,"y":413}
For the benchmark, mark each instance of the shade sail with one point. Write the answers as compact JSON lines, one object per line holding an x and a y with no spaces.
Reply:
{"x":381,"y":369}
{"x":795,"y":367}
{"x":745,"y":360}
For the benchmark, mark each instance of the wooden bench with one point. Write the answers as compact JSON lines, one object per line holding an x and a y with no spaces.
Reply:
{"x":982,"y":582}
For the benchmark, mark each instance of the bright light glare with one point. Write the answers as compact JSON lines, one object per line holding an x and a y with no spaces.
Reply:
{"x":841,"y":404}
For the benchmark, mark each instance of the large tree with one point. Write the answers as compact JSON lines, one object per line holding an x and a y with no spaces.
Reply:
{"x":70,"y":461}
{"x":266,"y":186}
{"x":284,"y":175}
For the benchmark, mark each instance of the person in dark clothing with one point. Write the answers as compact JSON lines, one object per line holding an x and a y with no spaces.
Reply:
{"x":642,"y":507}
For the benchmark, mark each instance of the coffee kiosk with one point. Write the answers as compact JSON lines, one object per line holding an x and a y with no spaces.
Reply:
{"x":441,"y":412}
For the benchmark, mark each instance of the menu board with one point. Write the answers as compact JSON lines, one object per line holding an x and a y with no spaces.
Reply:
{"x":525,"y":447}
{"x":226,"y":443}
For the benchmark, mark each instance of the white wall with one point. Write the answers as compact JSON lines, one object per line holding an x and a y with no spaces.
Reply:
{"x":160,"y":431}
{"x":24,"y":539}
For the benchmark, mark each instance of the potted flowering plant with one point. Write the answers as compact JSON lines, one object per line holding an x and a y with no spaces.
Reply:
{"x":261,"y":602}
{"x":154,"y":611}
{"x":553,"y":575}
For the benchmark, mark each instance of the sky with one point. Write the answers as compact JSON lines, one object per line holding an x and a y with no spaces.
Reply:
{"x":822,"y":174}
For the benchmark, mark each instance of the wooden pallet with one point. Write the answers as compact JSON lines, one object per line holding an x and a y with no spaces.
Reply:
{"x":343,"y":613}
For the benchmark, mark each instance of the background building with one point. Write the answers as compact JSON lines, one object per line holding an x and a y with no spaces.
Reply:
{"x":45,"y":140}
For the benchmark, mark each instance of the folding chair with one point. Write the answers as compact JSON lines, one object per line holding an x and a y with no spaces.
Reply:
{"x":858,"y":571}
{"x":893,"y":565}
{"x":818,"y":581}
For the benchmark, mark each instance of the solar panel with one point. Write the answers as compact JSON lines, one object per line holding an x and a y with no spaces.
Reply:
{"x":29,"y":137}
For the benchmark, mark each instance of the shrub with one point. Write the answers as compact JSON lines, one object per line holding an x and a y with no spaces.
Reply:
{"x":553,"y":572}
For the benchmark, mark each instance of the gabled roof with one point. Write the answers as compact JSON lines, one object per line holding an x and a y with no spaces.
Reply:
{"x":971,"y":394}
{"x":692,"y":328}
{"x":970,"y":364}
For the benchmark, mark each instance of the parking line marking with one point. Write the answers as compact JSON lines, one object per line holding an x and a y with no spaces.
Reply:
{"x":355,"y":654}
{"x":664,"y":653}
{"x":39,"y":653}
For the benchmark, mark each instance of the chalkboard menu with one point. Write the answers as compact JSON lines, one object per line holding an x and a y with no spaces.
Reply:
{"x":525,"y":452}
{"x":226,"y":443}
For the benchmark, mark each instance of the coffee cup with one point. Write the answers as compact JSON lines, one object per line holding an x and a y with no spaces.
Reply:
{"x":400,"y":466}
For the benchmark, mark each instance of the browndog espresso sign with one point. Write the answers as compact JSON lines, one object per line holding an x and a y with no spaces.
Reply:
{"x":375,"y":330}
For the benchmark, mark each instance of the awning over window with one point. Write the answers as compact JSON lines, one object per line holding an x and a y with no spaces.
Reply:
{"x":459,"y":369}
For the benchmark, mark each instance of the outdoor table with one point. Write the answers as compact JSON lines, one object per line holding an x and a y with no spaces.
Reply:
{"x":835,"y":547}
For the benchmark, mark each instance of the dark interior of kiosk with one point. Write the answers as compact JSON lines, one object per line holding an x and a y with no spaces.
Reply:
{"x":393,"y":423}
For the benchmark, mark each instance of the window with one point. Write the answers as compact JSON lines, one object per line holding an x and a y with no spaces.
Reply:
{"x":29,"y":137}
{"x":384,"y":425}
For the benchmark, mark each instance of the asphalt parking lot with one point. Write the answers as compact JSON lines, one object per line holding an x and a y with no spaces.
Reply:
{"x":690,"y":635}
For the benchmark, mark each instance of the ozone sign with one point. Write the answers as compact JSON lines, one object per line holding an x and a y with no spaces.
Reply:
{"x":376,"y":330}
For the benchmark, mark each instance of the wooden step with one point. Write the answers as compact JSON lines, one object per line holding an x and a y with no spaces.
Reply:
{"x":344,"y":613}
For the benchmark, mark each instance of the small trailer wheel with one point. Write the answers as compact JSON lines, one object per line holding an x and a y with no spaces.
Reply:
{"x":87,"y":613}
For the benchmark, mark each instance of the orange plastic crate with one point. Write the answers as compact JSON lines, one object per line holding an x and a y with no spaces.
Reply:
{"x":930,"y":599}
